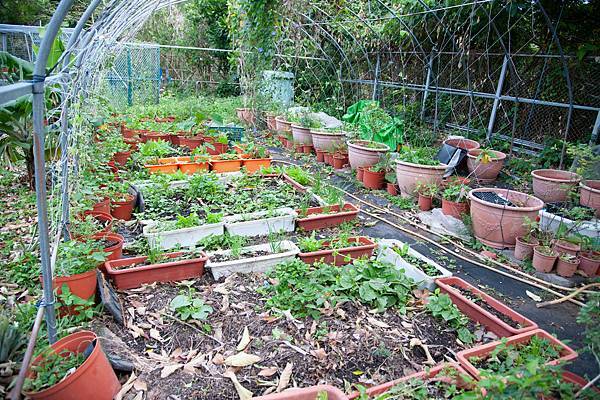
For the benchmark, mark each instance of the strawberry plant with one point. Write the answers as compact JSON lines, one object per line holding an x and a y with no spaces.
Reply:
{"x":440,"y":306}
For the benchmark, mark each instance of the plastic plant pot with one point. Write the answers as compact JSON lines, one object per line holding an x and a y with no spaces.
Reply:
{"x":326,"y":217}
{"x":328,"y":158}
{"x":566,"y":268}
{"x":102,"y":218}
{"x":94,"y":379}
{"x":523,"y":249}
{"x":155,"y":136}
{"x":220,"y":166}
{"x":455,"y":209}
{"x":121,"y":157}
{"x":360,"y":174}
{"x":162,"y":168}
{"x":127,"y":133}
{"x":181,"y":237}
{"x":261,"y":222}
{"x":392,"y":189}
{"x":463,"y":143}
{"x":341,"y":256}
{"x":282,"y":125}
{"x":307,"y":149}
{"x":543,"y":262}
{"x":116,"y":250}
{"x":191,"y":168}
{"x":81,"y":285}
{"x":219,"y":148}
{"x":477,"y":313}
{"x":123,"y":209}
{"x":253,"y":165}
{"x":485,"y":172}
{"x":301,"y":135}
{"x":102,"y":206}
{"x":327,"y":141}
{"x":320,"y":155}
{"x":136,"y":276}
{"x":423,"y":375}
{"x":589,"y":263}
{"x":498,"y":225}
{"x":409,"y":175}
{"x":566,"y":353}
{"x":562,"y":246}
{"x":309,"y":393}
{"x":299,"y":148}
{"x":553,"y":185}
{"x":191,"y":142}
{"x":425,"y":203}
{"x":361,"y":155}
{"x":578,"y":381}
{"x":373,"y":180}
{"x":296,"y":185}
{"x":589,"y":195}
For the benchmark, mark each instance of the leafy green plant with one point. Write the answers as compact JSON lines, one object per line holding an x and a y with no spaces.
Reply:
{"x":213,"y":218}
{"x":454,"y":192}
{"x":52,"y":369}
{"x":298,"y":174}
{"x":83,"y":309}
{"x":427,"y":189}
{"x":190,"y":221}
{"x":419,"y":155}
{"x":12,"y":339}
{"x":310,"y":243}
{"x":221,"y":242}
{"x":187,"y":306}
{"x":440,"y":306}
{"x":155,"y":149}
{"x":75,"y":257}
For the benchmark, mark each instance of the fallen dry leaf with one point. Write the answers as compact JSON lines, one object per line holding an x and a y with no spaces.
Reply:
{"x":155,"y":334}
{"x":286,"y":375}
{"x":139,"y":384}
{"x":321,"y":354}
{"x":244,"y":341}
{"x":266,"y":372}
{"x":242,"y":392}
{"x":242,"y":359}
{"x":126,"y":387}
{"x":377,"y":323}
{"x":218,"y":359}
{"x":169,"y":369}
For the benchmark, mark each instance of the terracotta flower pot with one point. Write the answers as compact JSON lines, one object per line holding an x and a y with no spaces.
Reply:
{"x":339,"y":161}
{"x":553,"y":185}
{"x":326,"y":217}
{"x":589,"y":263}
{"x":589,"y":195}
{"x":327,"y":141}
{"x":127,"y":133}
{"x":282,"y":125}
{"x":463,"y":143}
{"x":253,"y":165}
{"x":123,"y":209}
{"x":455,"y":209}
{"x":499,"y":225}
{"x":566,"y":268}
{"x":289,"y":144}
{"x":191,"y":142}
{"x":102,"y":206}
{"x":392,"y":189}
{"x":121,"y":157}
{"x":523,"y":249}
{"x":543,"y":262}
{"x":360,"y":155}
{"x":81,"y":285}
{"x":562,"y":246}
{"x":191,"y":168}
{"x":409,"y":175}
{"x":342,"y":256}
{"x":307,"y":149}
{"x":485,"y":172}
{"x":115,"y":251}
{"x":301,"y":134}
{"x":373,"y":180}
{"x":309,"y":393}
{"x":328,"y":158}
{"x":103,"y":218}
{"x":94,"y":379}
{"x":360,"y":174}
{"x":425,"y":203}
{"x":320,"y":155}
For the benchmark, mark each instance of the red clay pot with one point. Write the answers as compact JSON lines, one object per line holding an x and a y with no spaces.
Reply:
{"x":326,"y":217}
{"x":121,"y":157}
{"x":542,"y":262}
{"x":307,"y":149}
{"x":463,"y":143}
{"x":133,"y":277}
{"x":339,"y":162}
{"x":589,"y":263}
{"x":373,"y":180}
{"x":191,"y":142}
{"x":133,"y":143}
{"x":566,"y":353}
{"x":94,"y":379}
{"x":123,"y":209}
{"x":289,"y":144}
{"x":566,"y":268}
{"x":425,"y":203}
{"x":360,"y":174}
{"x":126,"y":132}
{"x":309,"y":393}
{"x":479,"y":314}
{"x":81,"y":285}
{"x":392,"y":189}
{"x":101,"y":217}
{"x":115,"y":251}
{"x":589,"y":195}
{"x":552,"y":185}
{"x":454,"y":209}
{"x":523,"y":249}
{"x":342,"y":256}
{"x":320,"y":155}
{"x":562,"y":246}
{"x":299,"y":148}
{"x":102,"y":206}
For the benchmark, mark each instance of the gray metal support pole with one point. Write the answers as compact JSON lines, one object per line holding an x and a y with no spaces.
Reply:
{"x":594,"y":137}
{"x":64,"y":160}
{"x":39,"y":76}
{"x":427,"y":82}
{"x":377,"y":71}
{"x":492,"y":121}
{"x":4,"y":42}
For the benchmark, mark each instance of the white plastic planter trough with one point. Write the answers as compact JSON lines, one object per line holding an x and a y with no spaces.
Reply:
{"x":551,"y":222}
{"x":254,"y":264}
{"x":185,"y":237}
{"x":387,"y":254}
{"x":261,"y":222}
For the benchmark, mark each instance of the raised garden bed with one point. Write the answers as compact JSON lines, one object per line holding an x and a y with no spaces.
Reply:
{"x":479,"y":306}
{"x":180,"y":237}
{"x":325,"y":217}
{"x":261,"y":222}
{"x":259,"y":258}
{"x":133,"y":272}
{"x":421,"y":269}
{"x":359,"y":246}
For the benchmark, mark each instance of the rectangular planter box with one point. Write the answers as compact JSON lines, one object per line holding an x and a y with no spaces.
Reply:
{"x":479,"y":314}
{"x":316,"y":219}
{"x":254,"y":264}
{"x":184,"y":237}
{"x":342,"y":256}
{"x":309,"y":393}
{"x":566,"y":353}
{"x":551,"y":222}
{"x":253,"y":165}
{"x":422,"y":375}
{"x":165,"y":272}
{"x":261,"y":223}
{"x":387,"y":254}
{"x":219,"y":166}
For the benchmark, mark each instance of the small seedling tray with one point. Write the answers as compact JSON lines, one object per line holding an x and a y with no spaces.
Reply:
{"x":492,"y":197}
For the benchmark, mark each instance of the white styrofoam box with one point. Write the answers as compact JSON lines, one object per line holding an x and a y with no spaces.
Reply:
{"x":551,"y":222}
{"x":253,"y":264}
{"x":185,"y":237}
{"x":261,"y":222}
{"x":387,"y":254}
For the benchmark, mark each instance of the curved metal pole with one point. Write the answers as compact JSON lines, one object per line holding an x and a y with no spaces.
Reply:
{"x":39,"y":77}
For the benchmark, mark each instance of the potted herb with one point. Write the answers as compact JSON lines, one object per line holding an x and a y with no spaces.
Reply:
{"x":568,"y":245}
{"x":198,"y":161}
{"x":543,"y":258}
{"x":418,"y":165}
{"x":374,"y":176}
{"x":454,"y":200}
{"x":184,"y":231}
{"x":391,"y":183}
{"x":589,"y":195}
{"x":485,"y":164}
{"x":552,"y":185}
{"x":524,"y":244}
{"x":340,"y":156}
{"x":122,"y":202}
{"x":118,"y":148}
{"x":75,"y":367}
{"x":567,"y":265}
{"x":426,"y":191}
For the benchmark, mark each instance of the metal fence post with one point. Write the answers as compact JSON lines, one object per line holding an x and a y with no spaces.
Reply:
{"x":376,"y":83}
{"x":492,"y":121}
{"x":594,"y":137}
{"x":427,"y":82}
{"x":4,"y":42}
{"x":64,"y":160}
